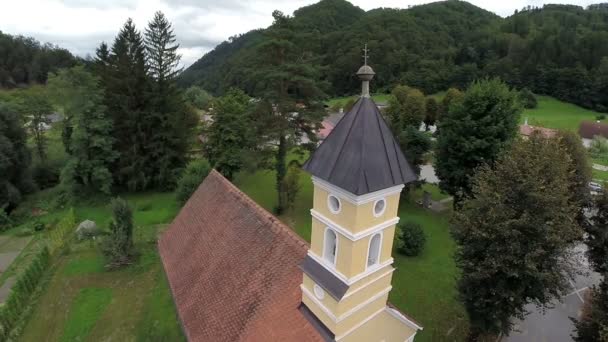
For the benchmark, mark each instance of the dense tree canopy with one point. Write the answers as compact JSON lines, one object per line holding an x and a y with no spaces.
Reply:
{"x":559,"y":50}
{"x":288,"y":81}
{"x":14,"y":159}
{"x":91,"y":152}
{"x":23,"y":60}
{"x":525,"y":201}
{"x":230,"y":136}
{"x":474,"y":132}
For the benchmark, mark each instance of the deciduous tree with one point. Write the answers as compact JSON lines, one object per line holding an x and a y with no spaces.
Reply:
{"x":406,"y":108}
{"x":14,"y":159}
{"x":597,"y":235}
{"x":474,"y":132}
{"x":524,"y":199}
{"x":432,"y":112}
{"x":580,"y":172}
{"x":91,"y":142}
{"x":231,"y":134}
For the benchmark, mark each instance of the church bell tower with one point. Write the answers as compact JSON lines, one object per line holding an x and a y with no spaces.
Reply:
{"x":358,"y":173}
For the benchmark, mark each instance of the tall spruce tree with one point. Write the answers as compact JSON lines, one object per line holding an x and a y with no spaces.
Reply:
{"x":524,"y":199}
{"x":288,"y":81}
{"x":171,"y":119}
{"x":474,"y":132}
{"x":128,"y":93}
{"x":91,"y":141}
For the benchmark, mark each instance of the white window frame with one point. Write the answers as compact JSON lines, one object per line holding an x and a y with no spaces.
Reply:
{"x":325,"y":246}
{"x":369,"y":250}
{"x":331,"y":209}
{"x":383,"y":208}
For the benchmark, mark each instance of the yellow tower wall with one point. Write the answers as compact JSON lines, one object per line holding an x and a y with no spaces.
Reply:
{"x":352,"y":300}
{"x":352,"y":217}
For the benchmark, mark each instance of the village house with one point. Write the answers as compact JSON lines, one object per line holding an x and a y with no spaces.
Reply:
{"x":237,"y":273}
{"x":590,"y":129}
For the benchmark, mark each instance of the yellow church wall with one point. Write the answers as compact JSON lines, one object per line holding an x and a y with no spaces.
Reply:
{"x":365,"y":214}
{"x":388,"y":235}
{"x":320,"y":314}
{"x":384,"y":272}
{"x":317,"y":236}
{"x":351,"y":301}
{"x":364,"y":294}
{"x":352,"y":217}
{"x":357,"y":317}
{"x":382,"y":327}
{"x":353,"y":258}
{"x":348,"y":211}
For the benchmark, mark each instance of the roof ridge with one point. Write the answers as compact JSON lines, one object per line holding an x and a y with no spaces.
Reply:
{"x":275,"y":223}
{"x":355,"y":114}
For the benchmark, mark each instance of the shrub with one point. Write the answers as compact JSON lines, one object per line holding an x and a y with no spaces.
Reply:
{"x":600,"y":117}
{"x":45,"y":176}
{"x":599,"y":147}
{"x":193,"y":176}
{"x":527,"y":99}
{"x":409,"y":239}
{"x":118,"y":247}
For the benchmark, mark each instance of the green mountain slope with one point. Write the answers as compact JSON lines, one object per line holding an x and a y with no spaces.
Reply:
{"x":558,"y":50}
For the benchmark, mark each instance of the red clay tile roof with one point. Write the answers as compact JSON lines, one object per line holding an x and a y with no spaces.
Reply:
{"x":527,"y":130}
{"x":589,"y":129}
{"x":233,"y":269}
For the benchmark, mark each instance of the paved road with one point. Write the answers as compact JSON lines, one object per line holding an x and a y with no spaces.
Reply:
{"x":427,"y":173}
{"x":554,"y":325}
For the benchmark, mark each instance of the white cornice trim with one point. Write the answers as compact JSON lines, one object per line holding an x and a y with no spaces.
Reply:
{"x":338,"y":338}
{"x":398,"y":315}
{"x":354,"y":279}
{"x":353,"y":236}
{"x":338,"y":319}
{"x":352,"y":198}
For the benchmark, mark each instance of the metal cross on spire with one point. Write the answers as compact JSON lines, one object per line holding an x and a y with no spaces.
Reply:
{"x":365,"y":56}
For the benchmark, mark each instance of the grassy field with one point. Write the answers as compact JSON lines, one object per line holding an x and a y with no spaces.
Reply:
{"x":439,"y":312}
{"x":552,"y":113}
{"x":85,"y":302}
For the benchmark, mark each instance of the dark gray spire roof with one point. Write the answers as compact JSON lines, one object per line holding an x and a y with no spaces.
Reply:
{"x":361,"y":155}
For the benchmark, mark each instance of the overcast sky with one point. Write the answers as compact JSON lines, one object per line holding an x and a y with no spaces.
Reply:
{"x":80,"y":25}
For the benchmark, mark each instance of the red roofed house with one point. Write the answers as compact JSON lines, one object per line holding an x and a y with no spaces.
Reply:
{"x":238,"y":274}
{"x":526,"y":131}
{"x":589,"y":129}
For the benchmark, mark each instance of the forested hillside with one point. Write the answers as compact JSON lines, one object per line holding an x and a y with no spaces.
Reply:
{"x":24,"y":60}
{"x":558,"y":50}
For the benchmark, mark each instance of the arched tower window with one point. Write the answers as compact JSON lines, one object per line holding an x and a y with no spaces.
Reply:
{"x":373,"y":253}
{"x":330,"y":246}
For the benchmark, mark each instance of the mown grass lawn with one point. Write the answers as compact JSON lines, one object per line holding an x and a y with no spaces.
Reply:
{"x":552,"y":113}
{"x":423,"y":286}
{"x":85,"y":302}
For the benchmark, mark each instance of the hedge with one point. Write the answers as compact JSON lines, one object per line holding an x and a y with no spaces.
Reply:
{"x":62,"y":229}
{"x":22,"y":290}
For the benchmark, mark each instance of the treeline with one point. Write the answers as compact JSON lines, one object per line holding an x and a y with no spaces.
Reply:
{"x":24,"y":60}
{"x":558,"y":50}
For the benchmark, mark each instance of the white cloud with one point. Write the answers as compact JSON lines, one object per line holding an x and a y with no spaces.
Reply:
{"x":80,"y":25}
